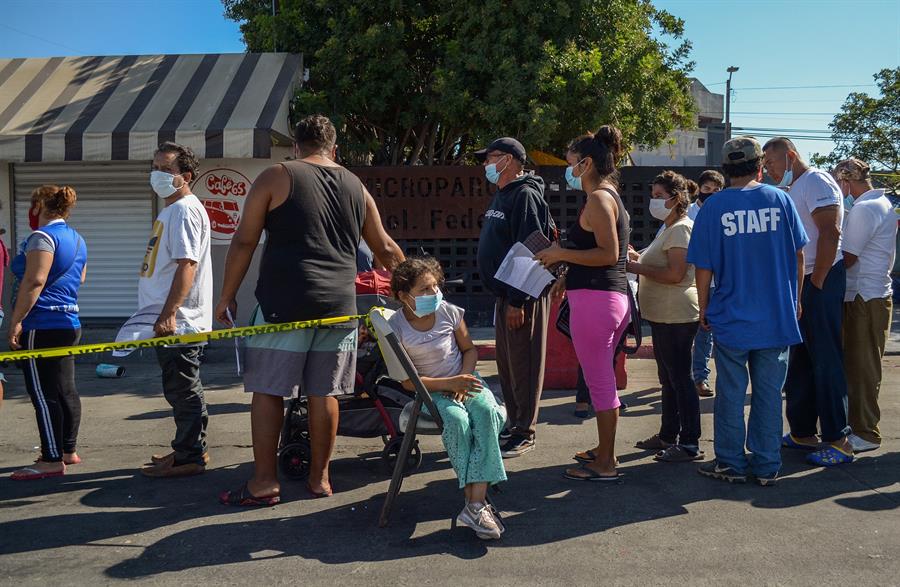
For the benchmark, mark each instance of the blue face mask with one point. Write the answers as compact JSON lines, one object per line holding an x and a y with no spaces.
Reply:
{"x":491,"y":173}
{"x":426,"y":305}
{"x":848,"y":202}
{"x":788,"y":174}
{"x":574,"y":182}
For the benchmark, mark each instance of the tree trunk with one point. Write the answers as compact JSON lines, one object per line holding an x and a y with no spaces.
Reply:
{"x":398,"y":148}
{"x":463,"y":142}
{"x":450,"y":139}
{"x":420,"y":144}
{"x":432,"y":139}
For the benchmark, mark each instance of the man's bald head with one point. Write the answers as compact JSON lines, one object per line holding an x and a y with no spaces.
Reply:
{"x":780,"y":145}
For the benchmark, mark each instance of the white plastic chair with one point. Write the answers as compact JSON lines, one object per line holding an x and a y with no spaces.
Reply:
{"x":401,"y":368}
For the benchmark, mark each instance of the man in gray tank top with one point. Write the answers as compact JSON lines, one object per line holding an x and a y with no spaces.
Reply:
{"x":314,"y":212}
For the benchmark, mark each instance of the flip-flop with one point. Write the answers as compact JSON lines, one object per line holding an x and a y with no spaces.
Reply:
{"x":317,"y":494}
{"x":594,"y":476}
{"x":243,"y":498}
{"x":585,"y":461}
{"x":32,"y":474}
{"x":829,"y":457}
{"x":788,"y":441}
{"x":587,"y":456}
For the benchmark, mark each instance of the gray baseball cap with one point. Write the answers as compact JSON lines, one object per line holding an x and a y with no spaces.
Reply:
{"x":741,"y":149}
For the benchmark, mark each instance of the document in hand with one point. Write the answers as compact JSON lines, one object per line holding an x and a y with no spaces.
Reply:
{"x":521,"y":271}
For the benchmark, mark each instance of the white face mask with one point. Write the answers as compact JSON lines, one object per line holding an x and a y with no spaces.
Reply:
{"x":788,"y":177}
{"x":163,"y":183}
{"x":658,"y":208}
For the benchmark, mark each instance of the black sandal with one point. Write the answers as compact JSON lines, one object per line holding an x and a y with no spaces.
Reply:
{"x":589,"y":458}
{"x":593,"y":476}
{"x":243,"y":498}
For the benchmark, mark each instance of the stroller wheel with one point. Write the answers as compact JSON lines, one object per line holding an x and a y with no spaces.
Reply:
{"x":293,"y":460}
{"x":392,"y":450}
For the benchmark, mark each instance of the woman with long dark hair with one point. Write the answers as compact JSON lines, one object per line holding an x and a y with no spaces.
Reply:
{"x":595,"y":285}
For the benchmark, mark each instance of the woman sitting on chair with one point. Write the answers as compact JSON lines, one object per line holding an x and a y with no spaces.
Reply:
{"x":437,"y":340}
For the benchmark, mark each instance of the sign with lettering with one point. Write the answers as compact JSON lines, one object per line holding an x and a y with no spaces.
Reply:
{"x":429,"y":202}
{"x":222,"y":192}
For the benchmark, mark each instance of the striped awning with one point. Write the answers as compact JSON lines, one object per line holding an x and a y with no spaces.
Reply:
{"x":121,"y":108}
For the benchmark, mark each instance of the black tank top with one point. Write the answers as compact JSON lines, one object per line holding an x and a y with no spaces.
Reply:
{"x":608,"y":278}
{"x":308,"y":265}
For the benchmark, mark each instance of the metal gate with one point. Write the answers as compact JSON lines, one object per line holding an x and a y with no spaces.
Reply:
{"x":459,"y":255}
{"x":114,"y":214}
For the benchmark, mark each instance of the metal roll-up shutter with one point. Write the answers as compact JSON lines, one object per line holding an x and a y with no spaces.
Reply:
{"x":114,"y":214}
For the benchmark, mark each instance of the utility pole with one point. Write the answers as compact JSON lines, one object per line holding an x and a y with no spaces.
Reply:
{"x":730,"y":71}
{"x":274,"y":34}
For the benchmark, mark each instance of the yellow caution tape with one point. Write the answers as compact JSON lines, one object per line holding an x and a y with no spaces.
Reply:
{"x":192,"y":338}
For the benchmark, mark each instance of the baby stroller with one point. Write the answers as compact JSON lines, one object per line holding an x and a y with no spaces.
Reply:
{"x":373,"y":409}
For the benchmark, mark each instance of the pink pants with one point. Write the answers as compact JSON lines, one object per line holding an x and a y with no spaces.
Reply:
{"x":598,"y":319}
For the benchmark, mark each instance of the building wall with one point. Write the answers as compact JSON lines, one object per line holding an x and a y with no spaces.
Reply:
{"x":6,"y":222}
{"x":248,"y":168}
{"x":681,"y":148}
{"x":214,"y":190}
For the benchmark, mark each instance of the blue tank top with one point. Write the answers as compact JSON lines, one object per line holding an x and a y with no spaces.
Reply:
{"x":57,"y":306}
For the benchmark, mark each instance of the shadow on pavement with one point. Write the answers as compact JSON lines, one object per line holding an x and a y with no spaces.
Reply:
{"x":213,"y":409}
{"x":548,"y":509}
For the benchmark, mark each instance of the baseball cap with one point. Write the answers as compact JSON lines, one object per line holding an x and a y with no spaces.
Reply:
{"x":741,"y":149}
{"x":504,"y":145}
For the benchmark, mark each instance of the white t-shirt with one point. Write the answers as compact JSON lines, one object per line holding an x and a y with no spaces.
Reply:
{"x":693,"y":210}
{"x":181,"y":231}
{"x":870,"y":233}
{"x":434,"y":353}
{"x":813,"y":190}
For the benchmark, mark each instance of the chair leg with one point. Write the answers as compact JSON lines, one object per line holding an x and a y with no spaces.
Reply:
{"x":405,"y":449}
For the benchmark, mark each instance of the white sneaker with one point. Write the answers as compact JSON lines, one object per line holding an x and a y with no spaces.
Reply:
{"x":478,"y":517}
{"x":861,"y":444}
{"x":497,"y":519}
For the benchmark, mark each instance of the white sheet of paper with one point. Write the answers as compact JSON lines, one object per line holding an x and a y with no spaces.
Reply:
{"x":521,"y":271}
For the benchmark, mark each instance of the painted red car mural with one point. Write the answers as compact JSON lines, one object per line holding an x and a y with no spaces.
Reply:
{"x":224,"y":215}
{"x":222,"y":192}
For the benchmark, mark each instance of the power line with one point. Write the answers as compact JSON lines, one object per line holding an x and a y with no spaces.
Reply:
{"x":800,"y":130}
{"x":734,"y":100}
{"x":791,"y":113}
{"x":785,"y":132}
{"x":805,"y":87}
{"x":772,"y":114}
{"x":41,"y":38}
{"x":793,"y":137}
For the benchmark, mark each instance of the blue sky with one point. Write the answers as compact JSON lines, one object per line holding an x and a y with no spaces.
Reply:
{"x":775,"y":43}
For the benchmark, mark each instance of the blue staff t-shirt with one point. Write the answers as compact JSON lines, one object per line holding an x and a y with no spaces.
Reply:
{"x":749,"y":239}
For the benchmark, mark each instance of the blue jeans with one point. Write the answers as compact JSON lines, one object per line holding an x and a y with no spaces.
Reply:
{"x":700,"y":356}
{"x":765,"y":370}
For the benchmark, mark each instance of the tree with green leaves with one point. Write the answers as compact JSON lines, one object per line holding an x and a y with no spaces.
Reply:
{"x":868,"y":128}
{"x":422,"y":83}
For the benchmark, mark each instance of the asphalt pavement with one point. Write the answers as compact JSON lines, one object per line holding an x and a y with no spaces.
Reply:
{"x":664,"y":524}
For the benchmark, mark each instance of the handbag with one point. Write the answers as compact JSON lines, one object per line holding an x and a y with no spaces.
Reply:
{"x":633,"y":329}
{"x":562,"y":319}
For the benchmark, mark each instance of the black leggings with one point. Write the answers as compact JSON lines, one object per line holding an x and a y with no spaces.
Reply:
{"x":51,"y":385}
{"x":672,"y":344}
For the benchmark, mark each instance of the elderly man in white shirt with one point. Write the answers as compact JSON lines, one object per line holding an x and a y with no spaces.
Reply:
{"x":869,"y":236}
